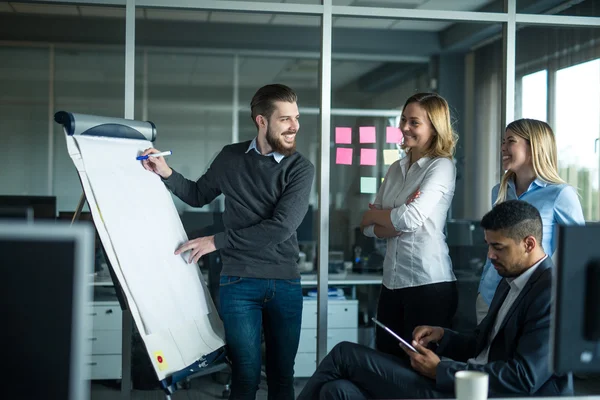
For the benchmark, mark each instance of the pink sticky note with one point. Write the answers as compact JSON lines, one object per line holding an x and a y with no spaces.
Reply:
{"x":368,"y":157}
{"x":343,"y":135}
{"x":367,"y":134}
{"x":343,"y":156}
{"x":393,"y":135}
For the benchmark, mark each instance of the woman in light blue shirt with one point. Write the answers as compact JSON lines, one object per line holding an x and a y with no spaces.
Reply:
{"x":529,"y":157}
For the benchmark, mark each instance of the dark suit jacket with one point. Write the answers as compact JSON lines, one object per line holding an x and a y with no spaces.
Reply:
{"x":519,"y":357}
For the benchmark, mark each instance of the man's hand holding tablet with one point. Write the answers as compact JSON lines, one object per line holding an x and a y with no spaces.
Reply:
{"x":391,"y":332}
{"x":428,"y":334}
{"x":422,"y":359}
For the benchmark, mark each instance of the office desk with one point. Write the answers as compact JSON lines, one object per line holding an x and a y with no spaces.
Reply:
{"x":348,"y":279}
{"x":351,"y":279}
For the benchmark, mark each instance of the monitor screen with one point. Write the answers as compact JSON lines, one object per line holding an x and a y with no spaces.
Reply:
{"x":24,"y":213}
{"x":46,"y":272}
{"x":200,"y":223}
{"x":306,"y":228}
{"x":44,"y":207}
{"x":576,"y":308}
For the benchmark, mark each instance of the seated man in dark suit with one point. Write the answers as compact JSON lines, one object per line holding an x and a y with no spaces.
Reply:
{"x":511,"y":344}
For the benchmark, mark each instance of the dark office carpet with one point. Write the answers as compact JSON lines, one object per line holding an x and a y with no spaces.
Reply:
{"x":206,"y":388}
{"x":201,"y":388}
{"x":588,"y":386}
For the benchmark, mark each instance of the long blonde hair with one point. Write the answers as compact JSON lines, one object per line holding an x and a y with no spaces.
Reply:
{"x":444,"y":139}
{"x":544,"y":157}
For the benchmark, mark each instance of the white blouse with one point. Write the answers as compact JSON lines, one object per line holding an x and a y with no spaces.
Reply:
{"x":419,"y":256}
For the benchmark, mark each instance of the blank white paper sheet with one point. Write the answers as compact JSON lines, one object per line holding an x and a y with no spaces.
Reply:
{"x":140,"y":229}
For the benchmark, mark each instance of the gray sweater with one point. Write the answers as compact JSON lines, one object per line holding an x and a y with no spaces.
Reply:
{"x":265,"y":202}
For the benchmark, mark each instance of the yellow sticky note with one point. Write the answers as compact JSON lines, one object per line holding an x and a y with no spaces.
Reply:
{"x":159,"y":359}
{"x":390,"y":156}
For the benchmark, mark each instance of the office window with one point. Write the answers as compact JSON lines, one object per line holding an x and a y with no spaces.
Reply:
{"x":578,"y":131}
{"x":24,"y":86}
{"x":534,"y":95}
{"x":193,"y":75}
{"x":87,"y":80}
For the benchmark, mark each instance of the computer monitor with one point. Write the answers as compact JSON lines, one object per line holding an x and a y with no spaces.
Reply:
{"x":44,"y":207}
{"x":46,"y":291}
{"x":201,"y":223}
{"x":16,"y":213}
{"x":576,"y":305}
{"x":306,"y":228}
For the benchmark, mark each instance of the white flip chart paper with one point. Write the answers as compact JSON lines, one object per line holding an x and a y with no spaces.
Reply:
{"x":140,"y":230}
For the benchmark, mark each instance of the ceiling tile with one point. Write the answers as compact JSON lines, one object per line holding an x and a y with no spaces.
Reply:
{"x":389,"y":3}
{"x":455,"y":5}
{"x":314,"y":2}
{"x":428,"y":26}
{"x":115,"y":12}
{"x":370,"y":23}
{"x":296,"y":20}
{"x":27,"y":8}
{"x":240,"y":18}
{"x":342,"y":2}
{"x":176,"y":15}
{"x":265,"y":1}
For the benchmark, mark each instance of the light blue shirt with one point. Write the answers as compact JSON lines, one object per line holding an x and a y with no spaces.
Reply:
{"x":277,"y":156}
{"x":557,"y":204}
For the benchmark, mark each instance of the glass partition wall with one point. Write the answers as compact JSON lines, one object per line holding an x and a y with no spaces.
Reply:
{"x":192,"y":67}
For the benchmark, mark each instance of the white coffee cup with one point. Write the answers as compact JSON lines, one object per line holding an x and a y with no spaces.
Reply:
{"x":471,"y":385}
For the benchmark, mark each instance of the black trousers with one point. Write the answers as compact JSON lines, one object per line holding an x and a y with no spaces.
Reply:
{"x":402,"y":310}
{"x":353,"y":371}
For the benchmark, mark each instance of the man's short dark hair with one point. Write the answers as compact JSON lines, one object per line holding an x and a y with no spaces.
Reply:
{"x":517,"y":219}
{"x":263,"y":102}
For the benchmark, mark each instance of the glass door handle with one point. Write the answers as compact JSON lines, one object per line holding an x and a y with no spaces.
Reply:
{"x":596,"y":145}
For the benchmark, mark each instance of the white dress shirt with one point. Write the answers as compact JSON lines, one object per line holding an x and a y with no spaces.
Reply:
{"x":516,"y":286}
{"x":419,"y":256}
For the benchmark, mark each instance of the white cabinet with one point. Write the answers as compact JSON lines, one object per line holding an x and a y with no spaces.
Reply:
{"x":106,"y":338}
{"x":342,"y":325}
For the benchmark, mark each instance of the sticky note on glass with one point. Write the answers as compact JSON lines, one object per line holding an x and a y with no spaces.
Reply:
{"x":343,"y":135}
{"x":367,"y":134}
{"x":368,"y":157}
{"x":368,"y":185}
{"x":343,"y":156}
{"x":390,"y":156}
{"x":393,"y":135}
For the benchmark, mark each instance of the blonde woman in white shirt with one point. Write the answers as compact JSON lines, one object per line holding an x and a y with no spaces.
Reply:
{"x":419,"y":286}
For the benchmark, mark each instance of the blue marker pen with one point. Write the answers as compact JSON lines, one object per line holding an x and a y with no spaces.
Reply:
{"x":161,"y":154}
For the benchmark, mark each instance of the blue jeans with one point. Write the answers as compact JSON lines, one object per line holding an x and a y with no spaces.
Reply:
{"x":247,"y":304}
